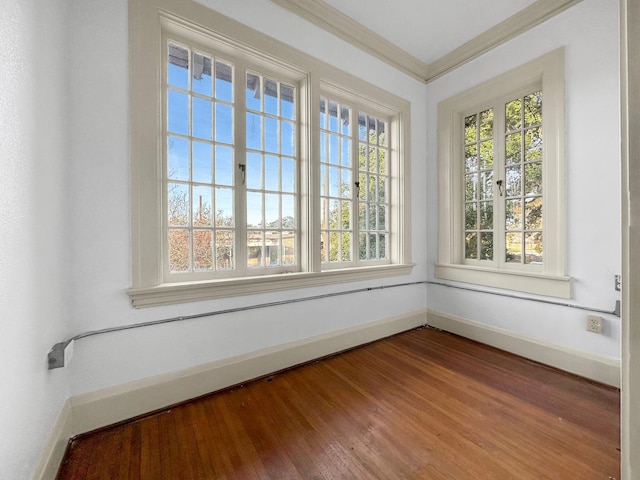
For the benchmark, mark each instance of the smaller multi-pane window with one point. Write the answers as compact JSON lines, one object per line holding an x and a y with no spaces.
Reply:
{"x":373,"y":187}
{"x":348,"y":189}
{"x":270,"y":172}
{"x":523,"y":180}
{"x":199,"y":162}
{"x":478,"y":182}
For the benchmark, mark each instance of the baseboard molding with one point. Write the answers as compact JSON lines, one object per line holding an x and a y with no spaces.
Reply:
{"x":53,"y":452}
{"x":111,"y":405}
{"x":599,"y":368}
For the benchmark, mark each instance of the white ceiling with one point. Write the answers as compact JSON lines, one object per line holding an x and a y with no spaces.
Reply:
{"x":429,"y":29}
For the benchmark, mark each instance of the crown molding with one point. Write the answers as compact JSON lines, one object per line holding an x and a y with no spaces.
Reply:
{"x":325,"y":16}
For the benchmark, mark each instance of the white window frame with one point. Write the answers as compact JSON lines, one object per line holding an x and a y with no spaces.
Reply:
{"x":151,"y":21}
{"x":545,"y":73}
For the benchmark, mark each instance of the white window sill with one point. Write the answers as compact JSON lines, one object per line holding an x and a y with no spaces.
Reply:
{"x":171,"y":293}
{"x":540,"y":284}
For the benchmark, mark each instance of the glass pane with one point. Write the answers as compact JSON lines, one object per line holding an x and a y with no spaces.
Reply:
{"x":324,"y":214}
{"x":224,"y":165}
{"x":373,"y":159}
{"x":178,"y":112}
{"x":224,"y":250}
{"x":179,"y":250}
{"x":513,"y":247}
{"x":346,"y":216}
{"x":272,"y":248}
{"x":486,"y":215}
{"x":288,"y":175}
{"x":346,"y":247}
{"x":334,"y":246}
{"x":362,"y":190}
{"x":334,"y":154}
{"x":382,"y":217}
{"x":323,"y":113}
{"x":486,"y":185}
{"x":362,"y":247}
{"x":471,"y":186}
{"x":513,"y":181}
{"x":345,"y":121}
{"x":513,"y":148}
{"x":533,"y":213}
{"x":288,"y":211}
{"x":471,"y":246}
{"x":533,"y":109}
{"x":254,"y":249}
{"x":224,"y":207}
{"x":271,"y":143}
{"x":533,"y":248}
{"x":271,"y":173}
{"x":345,"y":156}
{"x":362,"y":157}
{"x":202,"y":162}
{"x":202,"y":250}
{"x":287,"y":102}
{"x":513,"y":115}
{"x":178,"y":66}
{"x":362,"y":215}
{"x":224,"y":123}
{"x":373,"y":188}
{"x":178,"y":158}
{"x":362,"y":127}
{"x":471,"y":129}
{"x":334,"y":215}
{"x":287,"y":131}
{"x":333,"y":117}
{"x":533,"y":144}
{"x":373,"y":246}
{"x":202,"y":206}
{"x":224,"y":82}
{"x":272,"y":210}
{"x":373,"y":218}
{"x":486,"y":124}
{"x":486,"y":155}
{"x":382,"y":133}
{"x":471,"y":157}
{"x":324,"y":246}
{"x":323,"y":147}
{"x":470,"y":216}
{"x":178,"y":205}
{"x":202,"y":121}
{"x":382,"y":247}
{"x":345,"y":185}
{"x":486,"y":246}
{"x":288,"y":248}
{"x":533,"y":178}
{"x":513,"y":215}
{"x":271,"y":96}
{"x":371,"y":130}
{"x":253,"y":92}
{"x":253,"y":178}
{"x":334,"y":181}
{"x":382,"y":190}
{"x":254,"y":131}
{"x":201,"y":75}
{"x":254,"y":210}
{"x":382,"y":161}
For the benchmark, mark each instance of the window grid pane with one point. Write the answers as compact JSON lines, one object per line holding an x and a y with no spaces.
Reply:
{"x":336,"y":182}
{"x":478,"y":185}
{"x":199,"y":162}
{"x":271,"y":166}
{"x":523,"y":180}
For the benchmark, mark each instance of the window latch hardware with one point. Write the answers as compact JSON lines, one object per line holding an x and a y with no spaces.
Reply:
{"x":243,"y":169}
{"x":357,"y":184}
{"x":499,"y":183}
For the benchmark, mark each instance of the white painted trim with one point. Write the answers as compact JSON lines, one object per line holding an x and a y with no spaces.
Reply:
{"x":595,"y":367}
{"x":323,"y":15}
{"x":54,"y":449}
{"x":110,"y":405}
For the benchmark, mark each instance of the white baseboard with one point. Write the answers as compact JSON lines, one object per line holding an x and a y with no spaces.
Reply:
{"x":595,"y":367}
{"x":53,"y":451}
{"x":107,"y":406}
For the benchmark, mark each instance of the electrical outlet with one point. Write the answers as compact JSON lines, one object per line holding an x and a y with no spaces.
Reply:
{"x":594,"y":324}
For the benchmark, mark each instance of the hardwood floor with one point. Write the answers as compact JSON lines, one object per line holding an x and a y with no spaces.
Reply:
{"x":420,"y":405}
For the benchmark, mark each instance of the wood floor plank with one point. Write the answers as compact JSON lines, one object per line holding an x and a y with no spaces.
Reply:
{"x":420,"y":405}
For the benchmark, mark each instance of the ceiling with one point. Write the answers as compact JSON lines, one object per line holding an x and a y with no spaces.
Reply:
{"x":429,"y":29}
{"x":426,"y":38}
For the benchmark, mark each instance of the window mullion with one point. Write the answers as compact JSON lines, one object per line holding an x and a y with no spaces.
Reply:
{"x":239,"y":164}
{"x":499,"y":198}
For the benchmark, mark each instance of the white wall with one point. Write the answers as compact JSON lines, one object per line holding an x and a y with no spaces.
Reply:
{"x":34,"y":256}
{"x":100,"y":216}
{"x":589,"y":33}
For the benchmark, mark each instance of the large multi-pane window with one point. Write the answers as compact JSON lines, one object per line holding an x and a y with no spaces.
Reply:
{"x":256,"y":167}
{"x":502,"y":181}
